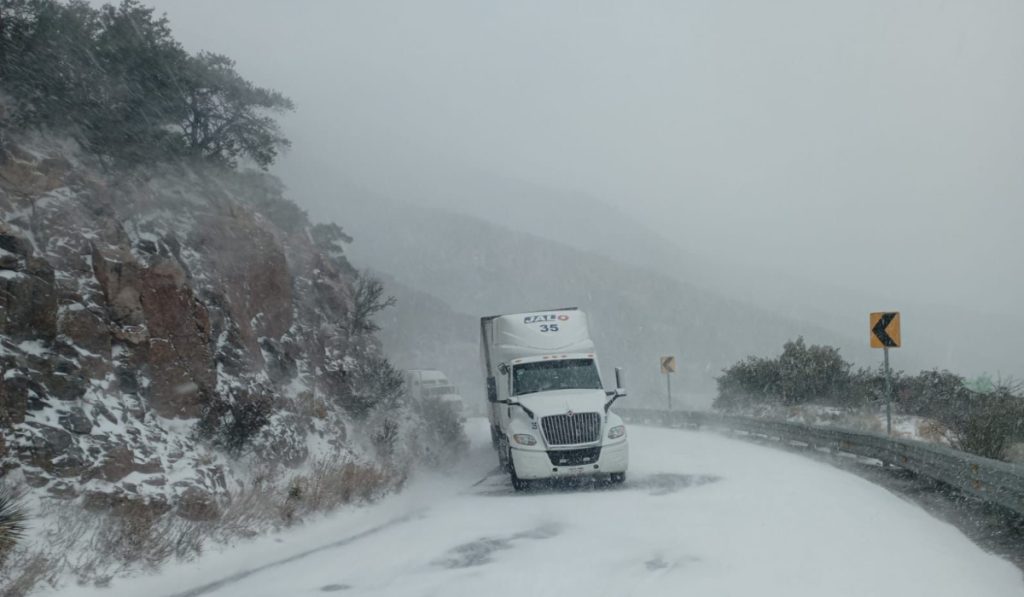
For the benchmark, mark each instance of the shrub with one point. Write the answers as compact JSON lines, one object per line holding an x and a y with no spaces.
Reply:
{"x":799,"y":375}
{"x":443,"y":439}
{"x":12,"y":521}
{"x":990,"y":422}
{"x":368,"y":299}
{"x":982,"y":417}
{"x":232,"y":421}
{"x":115,"y":78}
{"x":373,"y":383}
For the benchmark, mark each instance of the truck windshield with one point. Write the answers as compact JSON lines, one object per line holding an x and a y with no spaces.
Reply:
{"x":566,"y":374}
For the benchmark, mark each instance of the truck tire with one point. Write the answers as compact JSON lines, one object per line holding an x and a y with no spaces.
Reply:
{"x":517,"y":483}
{"x":617,"y":478}
{"x":504,"y":457}
{"x":494,"y":437}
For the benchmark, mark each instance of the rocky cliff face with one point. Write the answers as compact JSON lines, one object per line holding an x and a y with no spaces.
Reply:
{"x":155,"y":326}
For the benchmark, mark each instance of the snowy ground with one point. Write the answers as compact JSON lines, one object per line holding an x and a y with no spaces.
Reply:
{"x":701,"y":515}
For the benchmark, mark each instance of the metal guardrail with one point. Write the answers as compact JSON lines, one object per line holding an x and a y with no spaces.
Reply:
{"x":991,"y":480}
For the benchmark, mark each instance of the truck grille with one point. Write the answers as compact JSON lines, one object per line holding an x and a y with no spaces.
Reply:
{"x":569,"y":430}
{"x":575,"y":457}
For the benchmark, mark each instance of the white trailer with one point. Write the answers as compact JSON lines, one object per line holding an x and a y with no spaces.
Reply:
{"x":549,"y":412}
{"x":431,"y":384}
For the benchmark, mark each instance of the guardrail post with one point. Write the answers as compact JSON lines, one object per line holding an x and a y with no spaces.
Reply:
{"x":888,"y":394}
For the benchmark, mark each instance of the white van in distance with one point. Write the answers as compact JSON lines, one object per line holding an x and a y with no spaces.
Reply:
{"x":549,"y":412}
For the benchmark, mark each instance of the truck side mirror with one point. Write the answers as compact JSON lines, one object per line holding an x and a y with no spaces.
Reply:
{"x":503,"y":368}
{"x":492,"y":390}
{"x":620,"y":382}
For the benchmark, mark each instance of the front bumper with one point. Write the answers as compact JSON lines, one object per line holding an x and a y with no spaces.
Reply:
{"x":538,"y":464}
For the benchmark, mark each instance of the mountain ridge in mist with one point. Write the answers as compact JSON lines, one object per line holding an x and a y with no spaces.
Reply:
{"x":474,"y":268}
{"x":959,"y":338}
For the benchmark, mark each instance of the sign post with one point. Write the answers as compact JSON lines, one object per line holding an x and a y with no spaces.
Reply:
{"x":885,"y":334}
{"x":668,"y":367}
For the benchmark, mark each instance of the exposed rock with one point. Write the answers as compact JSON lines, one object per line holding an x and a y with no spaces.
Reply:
{"x":53,"y":450}
{"x":179,"y":344}
{"x":76,"y":421}
{"x":102,"y":411}
{"x":134,"y":407}
{"x":72,"y":463}
{"x":117,"y":464}
{"x":253,"y":264}
{"x":94,"y":367}
{"x":127,"y":380}
{"x":11,"y":261}
{"x":66,"y":386}
{"x":62,"y":490}
{"x":103,"y":501}
{"x":23,"y":172}
{"x":131,"y":334}
{"x":15,"y":392}
{"x":149,"y":467}
{"x":18,"y":171}
{"x":28,"y":302}
{"x":14,"y":242}
{"x":120,"y":501}
{"x":118,"y":274}
{"x":85,"y":329}
{"x":35,"y":478}
{"x":130,"y":300}
{"x":280,"y":365}
{"x":47,"y":441}
{"x":197,"y":505}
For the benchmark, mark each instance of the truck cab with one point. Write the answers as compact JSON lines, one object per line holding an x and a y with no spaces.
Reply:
{"x":549,"y":411}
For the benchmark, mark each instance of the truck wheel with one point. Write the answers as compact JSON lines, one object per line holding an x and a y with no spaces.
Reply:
{"x":617,"y":478}
{"x":504,"y":458}
{"x":517,"y":483}
{"x":494,"y":437}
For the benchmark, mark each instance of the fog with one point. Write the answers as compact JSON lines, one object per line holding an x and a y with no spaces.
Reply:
{"x":820,"y":160}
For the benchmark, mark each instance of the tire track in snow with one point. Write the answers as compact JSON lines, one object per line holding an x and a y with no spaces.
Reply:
{"x":234,"y":578}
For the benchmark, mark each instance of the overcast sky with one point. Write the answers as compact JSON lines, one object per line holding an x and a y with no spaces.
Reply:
{"x":860,"y":143}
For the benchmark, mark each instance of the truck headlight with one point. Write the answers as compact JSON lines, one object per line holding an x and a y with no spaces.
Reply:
{"x":617,"y":431}
{"x":525,"y":439}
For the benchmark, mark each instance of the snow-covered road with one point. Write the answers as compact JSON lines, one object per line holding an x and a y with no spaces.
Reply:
{"x":701,"y":515}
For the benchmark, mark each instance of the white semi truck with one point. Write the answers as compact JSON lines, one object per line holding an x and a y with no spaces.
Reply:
{"x":431,"y":384}
{"x":549,"y":412}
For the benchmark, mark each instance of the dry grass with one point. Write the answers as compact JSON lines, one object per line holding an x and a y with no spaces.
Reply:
{"x":28,"y":571}
{"x":93,"y":548}
{"x":329,"y":486}
{"x":933,"y":431}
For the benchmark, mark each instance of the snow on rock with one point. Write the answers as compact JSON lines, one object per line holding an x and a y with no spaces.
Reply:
{"x":145,"y":316}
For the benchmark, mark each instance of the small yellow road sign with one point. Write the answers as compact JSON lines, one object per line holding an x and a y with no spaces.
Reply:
{"x":885,"y":329}
{"x":668,"y":364}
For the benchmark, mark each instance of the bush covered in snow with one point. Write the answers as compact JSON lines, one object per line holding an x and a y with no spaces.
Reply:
{"x":800,"y":374}
{"x":984,"y":420}
{"x":115,"y":78}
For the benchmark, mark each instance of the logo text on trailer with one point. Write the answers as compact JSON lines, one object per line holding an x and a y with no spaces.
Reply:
{"x":545,"y":318}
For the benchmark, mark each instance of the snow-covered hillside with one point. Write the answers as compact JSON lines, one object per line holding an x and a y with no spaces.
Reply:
{"x":175,"y":337}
